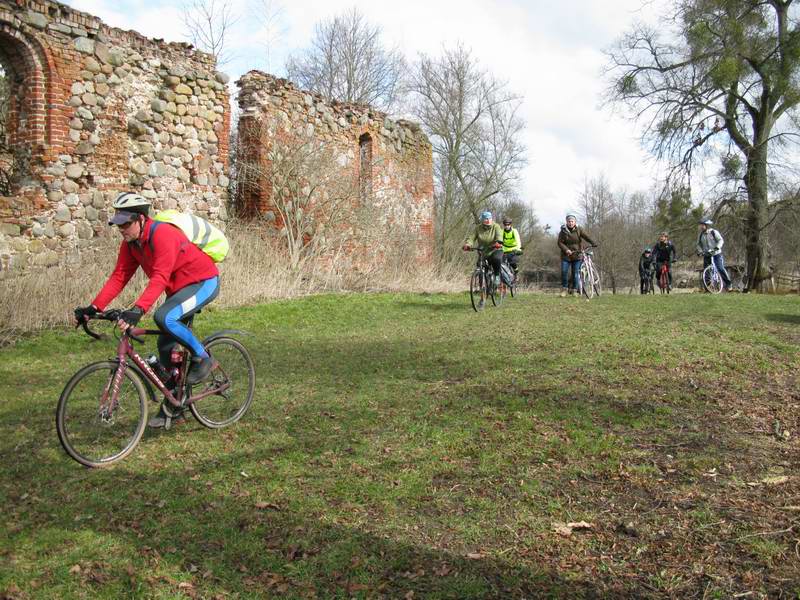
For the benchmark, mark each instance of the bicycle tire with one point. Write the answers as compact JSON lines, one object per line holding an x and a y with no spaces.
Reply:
{"x":597,"y":287}
{"x":663,"y":282}
{"x":128,"y":431}
{"x":712,"y":282}
{"x":235,"y":363}
{"x":585,"y":276}
{"x":477,"y":291}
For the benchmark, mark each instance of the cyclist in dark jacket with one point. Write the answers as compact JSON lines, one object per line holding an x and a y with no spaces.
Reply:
{"x":664,"y":253}
{"x":645,"y":270}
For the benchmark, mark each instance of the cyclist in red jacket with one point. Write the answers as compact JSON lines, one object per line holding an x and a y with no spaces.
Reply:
{"x":175,"y":266}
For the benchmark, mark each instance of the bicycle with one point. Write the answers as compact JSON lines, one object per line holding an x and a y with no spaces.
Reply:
{"x":507,"y":275}
{"x":663,"y":279}
{"x":649,"y":282}
{"x":711,"y":279}
{"x":588,"y":277}
{"x":481,"y":283}
{"x":102,"y":412}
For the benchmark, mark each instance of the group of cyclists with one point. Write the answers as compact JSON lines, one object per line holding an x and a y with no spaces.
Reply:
{"x":503,"y":243}
{"x":497,"y":243}
{"x":663,"y":255}
{"x":190,"y":278}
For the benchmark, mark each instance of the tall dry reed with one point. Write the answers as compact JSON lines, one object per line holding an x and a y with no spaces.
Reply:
{"x":256,"y":270}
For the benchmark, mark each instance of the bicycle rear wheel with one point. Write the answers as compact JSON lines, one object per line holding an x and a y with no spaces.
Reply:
{"x":587,"y":281}
{"x":237,"y":372}
{"x":97,"y":436}
{"x":477,"y":291}
{"x":712,"y":282}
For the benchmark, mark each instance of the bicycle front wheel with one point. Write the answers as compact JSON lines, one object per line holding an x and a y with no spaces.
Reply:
{"x":235,"y":378}
{"x":712,"y":282}
{"x":98,"y":431}
{"x":587,"y":281}
{"x":597,"y":289}
{"x":477,"y":291}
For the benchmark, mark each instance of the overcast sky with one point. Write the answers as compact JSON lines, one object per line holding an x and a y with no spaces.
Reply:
{"x":549,"y":52}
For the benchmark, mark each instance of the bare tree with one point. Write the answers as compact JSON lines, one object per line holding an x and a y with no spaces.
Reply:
{"x":208,"y":24}
{"x":474,"y":126}
{"x":718,"y":79}
{"x":348,"y":62}
{"x":311,"y":204}
{"x":269,"y":13}
{"x":622,"y":224}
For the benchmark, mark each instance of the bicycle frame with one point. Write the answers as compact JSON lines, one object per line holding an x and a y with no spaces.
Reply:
{"x":125,"y":350}
{"x":663,"y":275}
{"x":586,"y":257}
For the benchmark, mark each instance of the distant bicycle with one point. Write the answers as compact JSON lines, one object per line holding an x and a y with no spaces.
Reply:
{"x":711,"y":279}
{"x":102,"y":412}
{"x":589,"y":277}
{"x":481,"y":283}
{"x":648,"y":282}
{"x":508,"y":279}
{"x":663,"y":279}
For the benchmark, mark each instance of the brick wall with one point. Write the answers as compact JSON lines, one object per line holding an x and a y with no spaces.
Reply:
{"x":389,"y":163}
{"x":94,"y":110}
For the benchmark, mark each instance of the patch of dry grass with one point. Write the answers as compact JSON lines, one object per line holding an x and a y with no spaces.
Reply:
{"x":256,"y":270}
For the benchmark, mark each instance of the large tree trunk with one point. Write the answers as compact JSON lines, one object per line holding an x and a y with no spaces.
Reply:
{"x":758,"y":274}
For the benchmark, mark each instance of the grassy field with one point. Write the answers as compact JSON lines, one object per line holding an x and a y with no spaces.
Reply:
{"x":403,"y":446}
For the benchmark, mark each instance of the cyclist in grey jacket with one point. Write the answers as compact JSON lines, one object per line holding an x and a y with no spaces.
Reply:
{"x":709,"y":244}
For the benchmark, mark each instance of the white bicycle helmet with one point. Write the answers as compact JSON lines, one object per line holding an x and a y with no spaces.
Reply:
{"x":132,"y":202}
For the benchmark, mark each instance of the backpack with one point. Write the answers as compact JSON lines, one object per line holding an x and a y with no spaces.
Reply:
{"x":200,"y":232}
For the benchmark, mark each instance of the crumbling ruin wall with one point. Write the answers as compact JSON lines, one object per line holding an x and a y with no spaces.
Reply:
{"x":95,"y":110}
{"x":389,"y":163}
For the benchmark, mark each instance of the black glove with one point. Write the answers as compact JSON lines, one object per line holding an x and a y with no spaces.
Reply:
{"x":82,"y":313}
{"x":132,"y":316}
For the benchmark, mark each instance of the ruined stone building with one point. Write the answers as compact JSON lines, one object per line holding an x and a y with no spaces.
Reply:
{"x":93,"y":110}
{"x":387,"y":164}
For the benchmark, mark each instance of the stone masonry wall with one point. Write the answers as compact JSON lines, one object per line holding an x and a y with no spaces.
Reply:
{"x":96,"y":110}
{"x":399,"y":190}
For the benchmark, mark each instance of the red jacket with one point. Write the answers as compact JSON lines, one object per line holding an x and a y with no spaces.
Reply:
{"x":171,"y":262}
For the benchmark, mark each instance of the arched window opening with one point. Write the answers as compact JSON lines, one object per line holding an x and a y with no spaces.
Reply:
{"x":22,"y":114}
{"x":365,"y":167}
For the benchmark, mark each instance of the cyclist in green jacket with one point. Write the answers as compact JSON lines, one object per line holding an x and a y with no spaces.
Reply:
{"x":488,"y":236}
{"x":512,"y":244}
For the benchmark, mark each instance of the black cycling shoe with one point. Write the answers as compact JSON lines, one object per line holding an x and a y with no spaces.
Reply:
{"x":199,"y":370}
{"x":167,"y":415}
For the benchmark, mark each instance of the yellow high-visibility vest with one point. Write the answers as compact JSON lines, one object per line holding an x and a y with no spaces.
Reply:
{"x":200,"y":232}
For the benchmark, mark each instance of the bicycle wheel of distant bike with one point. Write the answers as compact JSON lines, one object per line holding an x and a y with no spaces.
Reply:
{"x":478,"y":291}
{"x":500,"y":293}
{"x":587,"y":281}
{"x":94,"y":429}
{"x":712,"y":281}
{"x":663,"y":282}
{"x":234,"y":380}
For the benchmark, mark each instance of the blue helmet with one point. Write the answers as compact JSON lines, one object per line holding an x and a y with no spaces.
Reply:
{"x":647,"y":251}
{"x":486,"y":215}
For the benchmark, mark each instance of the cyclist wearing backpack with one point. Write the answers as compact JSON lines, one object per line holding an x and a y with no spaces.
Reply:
{"x":645,"y":271}
{"x":512,"y":245}
{"x":488,"y":236}
{"x":174,"y":265}
{"x":664,"y":253}
{"x":709,"y":245}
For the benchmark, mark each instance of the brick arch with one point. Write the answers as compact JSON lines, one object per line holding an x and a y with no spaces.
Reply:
{"x":30,"y":73}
